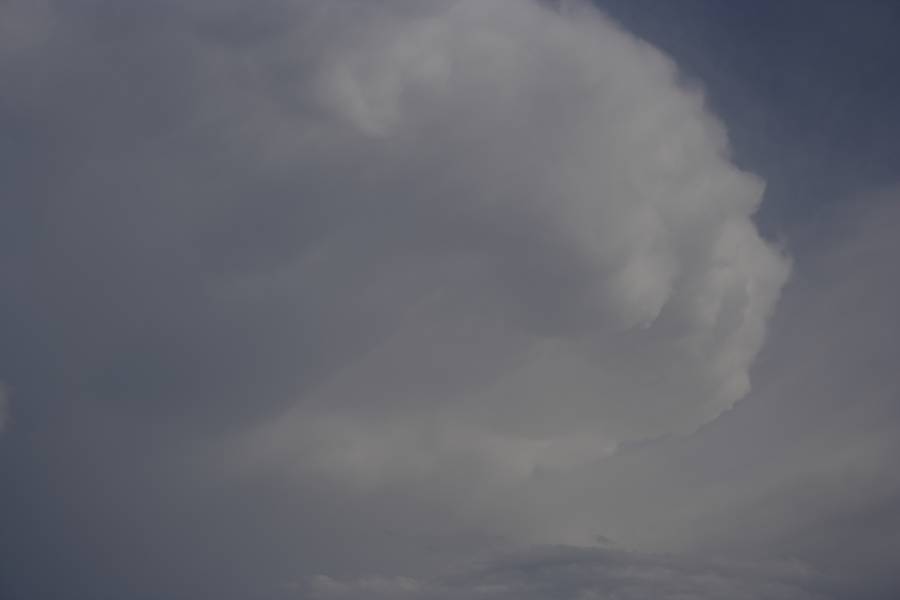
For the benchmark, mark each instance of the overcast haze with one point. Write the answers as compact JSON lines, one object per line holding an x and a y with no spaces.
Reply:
{"x":449,"y":299}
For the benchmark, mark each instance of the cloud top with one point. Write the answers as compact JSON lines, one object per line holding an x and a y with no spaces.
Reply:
{"x":547,"y":222}
{"x":441,"y":250}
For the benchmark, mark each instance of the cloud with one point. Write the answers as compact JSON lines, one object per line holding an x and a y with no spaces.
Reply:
{"x":803,"y":467}
{"x":563,"y":572}
{"x":24,"y":26}
{"x":560,"y":249}
{"x":444,"y":245}
{"x":431,"y":272}
{"x":824,"y":486}
{"x":484,"y":215}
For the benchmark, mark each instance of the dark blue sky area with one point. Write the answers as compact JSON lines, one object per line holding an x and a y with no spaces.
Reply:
{"x":809,"y":90}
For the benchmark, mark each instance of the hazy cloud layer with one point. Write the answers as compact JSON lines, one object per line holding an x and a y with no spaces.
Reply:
{"x":356,"y":288}
{"x":561,"y":572}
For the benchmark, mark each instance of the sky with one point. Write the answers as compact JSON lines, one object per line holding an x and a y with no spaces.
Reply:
{"x":449,"y":299}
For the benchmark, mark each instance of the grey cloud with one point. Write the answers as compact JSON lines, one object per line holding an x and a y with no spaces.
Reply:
{"x":803,"y":467}
{"x":358,"y":287}
{"x":562,"y":572}
{"x":618,"y":246}
{"x":345,"y":222}
{"x":833,"y":495}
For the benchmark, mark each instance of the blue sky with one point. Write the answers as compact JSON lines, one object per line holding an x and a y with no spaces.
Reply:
{"x":806,"y":89}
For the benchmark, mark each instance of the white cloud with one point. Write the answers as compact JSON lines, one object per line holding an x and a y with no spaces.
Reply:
{"x":802,"y":467}
{"x":476,"y":243}
{"x":556,"y":217}
{"x":548,"y":235}
{"x":429,"y":266}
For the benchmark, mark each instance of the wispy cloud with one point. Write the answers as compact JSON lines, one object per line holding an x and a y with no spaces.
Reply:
{"x":561,"y":572}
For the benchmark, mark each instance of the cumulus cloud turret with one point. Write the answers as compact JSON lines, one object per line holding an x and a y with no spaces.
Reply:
{"x":550,"y":224}
{"x":451,"y":246}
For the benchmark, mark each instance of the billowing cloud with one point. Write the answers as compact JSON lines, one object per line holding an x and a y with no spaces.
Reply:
{"x":546,"y":226}
{"x":349,"y":288}
{"x":804,"y":466}
{"x":383,"y":244}
{"x":486,"y":216}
